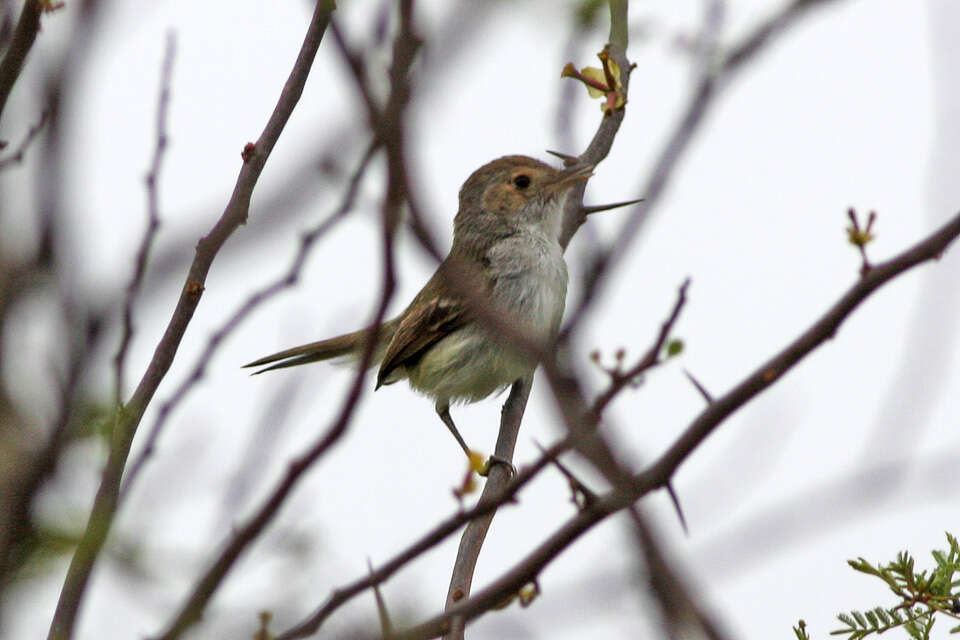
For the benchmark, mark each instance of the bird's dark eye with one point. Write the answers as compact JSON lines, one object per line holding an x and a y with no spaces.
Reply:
{"x":522,"y":181}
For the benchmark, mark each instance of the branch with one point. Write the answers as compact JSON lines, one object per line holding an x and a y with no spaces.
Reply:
{"x":620,"y":379}
{"x":153,"y":216}
{"x":678,"y":606}
{"x":574,"y":216}
{"x":485,"y":506}
{"x":17,"y":156}
{"x":494,"y":492}
{"x":389,"y":134}
{"x":128,"y":417}
{"x":712,"y":79}
{"x":28,"y":25}
{"x":289,"y":279}
{"x":661,"y":471}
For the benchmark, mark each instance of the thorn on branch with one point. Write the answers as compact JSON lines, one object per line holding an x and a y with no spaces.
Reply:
{"x":568,"y":160}
{"x":676,"y":505}
{"x":699,"y":387}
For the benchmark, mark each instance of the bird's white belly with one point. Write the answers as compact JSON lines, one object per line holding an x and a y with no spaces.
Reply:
{"x":469,"y":364}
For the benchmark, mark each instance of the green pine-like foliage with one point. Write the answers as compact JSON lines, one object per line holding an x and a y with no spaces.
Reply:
{"x":921,"y":597}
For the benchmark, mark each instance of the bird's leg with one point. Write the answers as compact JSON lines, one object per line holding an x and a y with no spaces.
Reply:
{"x":443,"y":410}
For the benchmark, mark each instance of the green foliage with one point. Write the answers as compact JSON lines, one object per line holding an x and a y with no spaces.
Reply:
{"x":922,"y":597}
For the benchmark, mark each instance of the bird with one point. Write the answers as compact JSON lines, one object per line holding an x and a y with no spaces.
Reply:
{"x":505,"y":256}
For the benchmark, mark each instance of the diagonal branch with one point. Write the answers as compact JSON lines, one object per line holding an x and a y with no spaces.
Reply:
{"x":128,"y":417}
{"x":483,"y":508}
{"x":388,"y":133}
{"x":662,"y":470}
{"x":28,"y":25}
{"x":20,"y":153}
{"x":285,"y":281}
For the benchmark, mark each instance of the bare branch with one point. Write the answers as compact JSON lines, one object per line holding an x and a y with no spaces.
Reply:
{"x":285,"y":281}
{"x":574,"y":215}
{"x":493,"y":493}
{"x":20,"y":153}
{"x":28,"y":25}
{"x":440,"y":532}
{"x":620,"y":379}
{"x":390,"y":136}
{"x":129,"y":416}
{"x":153,"y":216}
{"x":679,"y":607}
{"x":661,"y":471}
{"x":206,"y":586}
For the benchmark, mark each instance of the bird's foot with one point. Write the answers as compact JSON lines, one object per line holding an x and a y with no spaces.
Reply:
{"x":494,"y":460}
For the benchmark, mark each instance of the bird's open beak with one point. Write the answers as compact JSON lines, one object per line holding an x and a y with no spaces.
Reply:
{"x":567,"y":177}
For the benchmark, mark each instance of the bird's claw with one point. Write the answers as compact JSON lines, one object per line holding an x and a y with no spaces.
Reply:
{"x":494,"y":460}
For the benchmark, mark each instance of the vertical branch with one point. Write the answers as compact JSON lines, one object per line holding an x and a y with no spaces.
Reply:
{"x":473,"y":536}
{"x":475,"y":533}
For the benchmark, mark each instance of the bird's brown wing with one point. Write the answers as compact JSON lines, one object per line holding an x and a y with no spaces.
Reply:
{"x":430,"y":317}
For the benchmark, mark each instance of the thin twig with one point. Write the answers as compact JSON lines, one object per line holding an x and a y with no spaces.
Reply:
{"x":435,"y":536}
{"x":582,"y":494}
{"x":386,"y":626}
{"x":21,"y":151}
{"x":652,"y":358}
{"x":153,"y":216}
{"x":285,"y":281}
{"x":679,"y":607}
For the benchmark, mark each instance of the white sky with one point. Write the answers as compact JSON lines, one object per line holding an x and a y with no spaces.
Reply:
{"x":839,"y":113}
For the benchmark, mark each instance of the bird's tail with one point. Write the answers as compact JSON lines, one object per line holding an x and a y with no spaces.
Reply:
{"x":349,"y":346}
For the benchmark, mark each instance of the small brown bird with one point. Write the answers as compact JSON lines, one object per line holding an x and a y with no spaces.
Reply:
{"x":506,"y":236}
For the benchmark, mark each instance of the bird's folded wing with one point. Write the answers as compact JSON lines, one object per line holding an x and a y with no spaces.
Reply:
{"x":423,"y":324}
